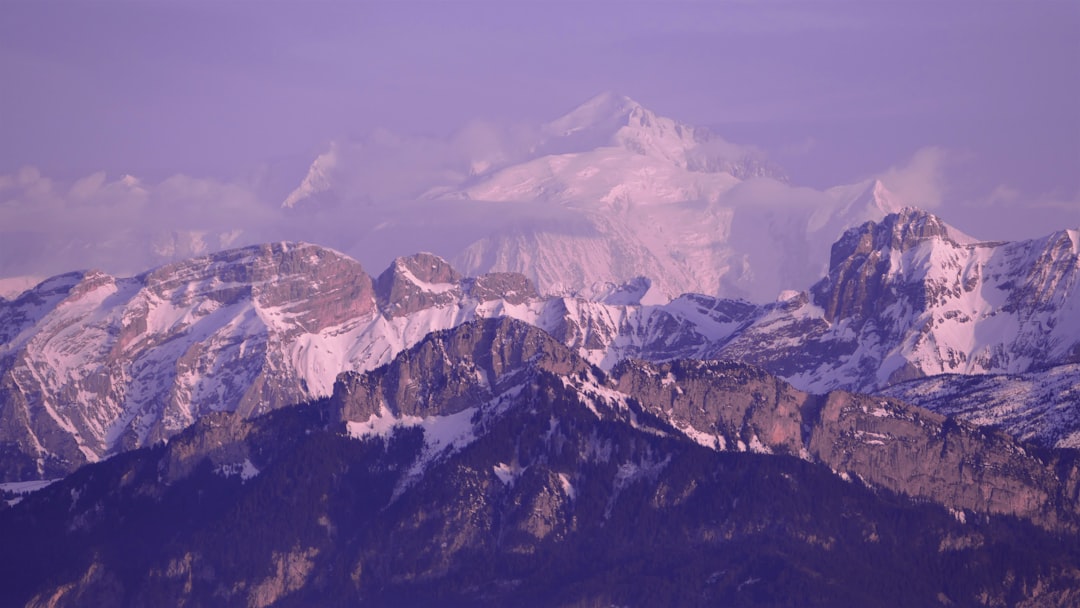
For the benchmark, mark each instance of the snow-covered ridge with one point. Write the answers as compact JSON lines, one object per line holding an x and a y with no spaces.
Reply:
{"x":92,"y":364}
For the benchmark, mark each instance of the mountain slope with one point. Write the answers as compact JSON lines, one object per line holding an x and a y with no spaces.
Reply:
{"x":657,"y":198}
{"x":490,"y":465}
{"x":603,"y":194}
{"x":91,"y":365}
{"x":905,"y":299}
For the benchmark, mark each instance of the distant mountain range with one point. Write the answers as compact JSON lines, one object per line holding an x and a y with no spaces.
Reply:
{"x":637,"y":374}
{"x":92,"y":365}
{"x":607,"y":192}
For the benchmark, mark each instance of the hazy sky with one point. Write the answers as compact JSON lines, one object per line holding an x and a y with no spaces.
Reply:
{"x":984,"y":94}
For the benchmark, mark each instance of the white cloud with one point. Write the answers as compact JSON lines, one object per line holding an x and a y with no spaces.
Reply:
{"x":921,"y":182}
{"x":120,"y":225}
{"x":1003,"y":195}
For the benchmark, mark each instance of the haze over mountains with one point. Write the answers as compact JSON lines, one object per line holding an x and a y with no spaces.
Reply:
{"x":667,"y":291}
{"x":380,"y":304}
{"x":610,"y":181}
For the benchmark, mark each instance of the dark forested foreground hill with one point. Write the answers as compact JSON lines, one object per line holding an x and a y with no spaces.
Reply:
{"x":507,"y":475}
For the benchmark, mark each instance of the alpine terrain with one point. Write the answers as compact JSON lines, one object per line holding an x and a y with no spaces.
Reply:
{"x":92,"y":365}
{"x":603,"y":194}
{"x":492,"y":465}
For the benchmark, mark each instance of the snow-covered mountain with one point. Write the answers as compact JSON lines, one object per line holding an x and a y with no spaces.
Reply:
{"x":655,"y":197}
{"x":91,"y":364}
{"x":607,"y":192}
{"x":989,"y":332}
{"x":490,"y":465}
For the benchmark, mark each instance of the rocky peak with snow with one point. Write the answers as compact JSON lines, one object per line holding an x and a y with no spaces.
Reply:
{"x":452,"y":370}
{"x":424,"y":281}
{"x":866,"y":260}
{"x":484,"y":368}
{"x":610,"y":119}
{"x":511,"y":287}
{"x":315,"y":286}
{"x":490,"y":465}
{"x":417,"y":282}
{"x":92,"y":365}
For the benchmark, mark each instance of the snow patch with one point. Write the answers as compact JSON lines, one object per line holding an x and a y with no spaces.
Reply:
{"x":26,"y":487}
{"x":507,"y":473}
{"x":246,"y":470}
{"x":452,"y":431}
{"x":568,"y":488}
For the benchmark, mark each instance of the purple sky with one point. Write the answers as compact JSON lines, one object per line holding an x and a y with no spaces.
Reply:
{"x":986,"y":92}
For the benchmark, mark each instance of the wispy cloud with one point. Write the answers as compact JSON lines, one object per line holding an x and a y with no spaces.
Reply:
{"x":922,"y":181}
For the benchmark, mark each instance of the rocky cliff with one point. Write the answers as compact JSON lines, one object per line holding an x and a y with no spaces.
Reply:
{"x":519,"y":474}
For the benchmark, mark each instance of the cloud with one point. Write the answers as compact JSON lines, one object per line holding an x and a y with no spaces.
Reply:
{"x":921,"y":182}
{"x":1003,"y":195}
{"x":121,"y":225}
{"x":800,"y":148}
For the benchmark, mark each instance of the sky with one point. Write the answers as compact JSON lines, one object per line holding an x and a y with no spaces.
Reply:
{"x":217,"y":108}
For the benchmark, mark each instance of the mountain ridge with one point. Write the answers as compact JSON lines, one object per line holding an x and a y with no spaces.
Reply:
{"x":91,"y":365}
{"x":540,"y":481}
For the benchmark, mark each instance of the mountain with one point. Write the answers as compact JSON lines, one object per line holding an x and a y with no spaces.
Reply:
{"x":491,"y":465}
{"x":1038,"y":406}
{"x":91,"y":365}
{"x":913,"y":308}
{"x":613,"y":182}
{"x":605,"y":193}
{"x":654,"y":197}
{"x":911,"y":297}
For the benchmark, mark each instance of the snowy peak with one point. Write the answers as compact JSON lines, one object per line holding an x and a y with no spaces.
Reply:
{"x":899,"y":231}
{"x":605,"y":111}
{"x":417,"y":282}
{"x":424,"y":280}
{"x":293,"y":278}
{"x":611,"y":120}
{"x":880,"y":198}
{"x":925,"y":299}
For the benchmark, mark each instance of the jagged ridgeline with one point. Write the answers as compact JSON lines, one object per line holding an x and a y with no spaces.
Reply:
{"x":92,"y":365}
{"x":491,"y":465}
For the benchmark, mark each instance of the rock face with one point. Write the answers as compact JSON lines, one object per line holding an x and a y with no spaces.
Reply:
{"x":883,"y":442}
{"x":858,"y":284}
{"x":724,"y":406}
{"x":936,"y":301}
{"x":452,"y":370}
{"x":92,"y":365}
{"x":517,"y":474}
{"x":417,"y":282}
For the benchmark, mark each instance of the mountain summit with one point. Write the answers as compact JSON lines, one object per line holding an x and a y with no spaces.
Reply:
{"x":611,"y":181}
{"x":91,"y":365}
{"x":612,"y":120}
